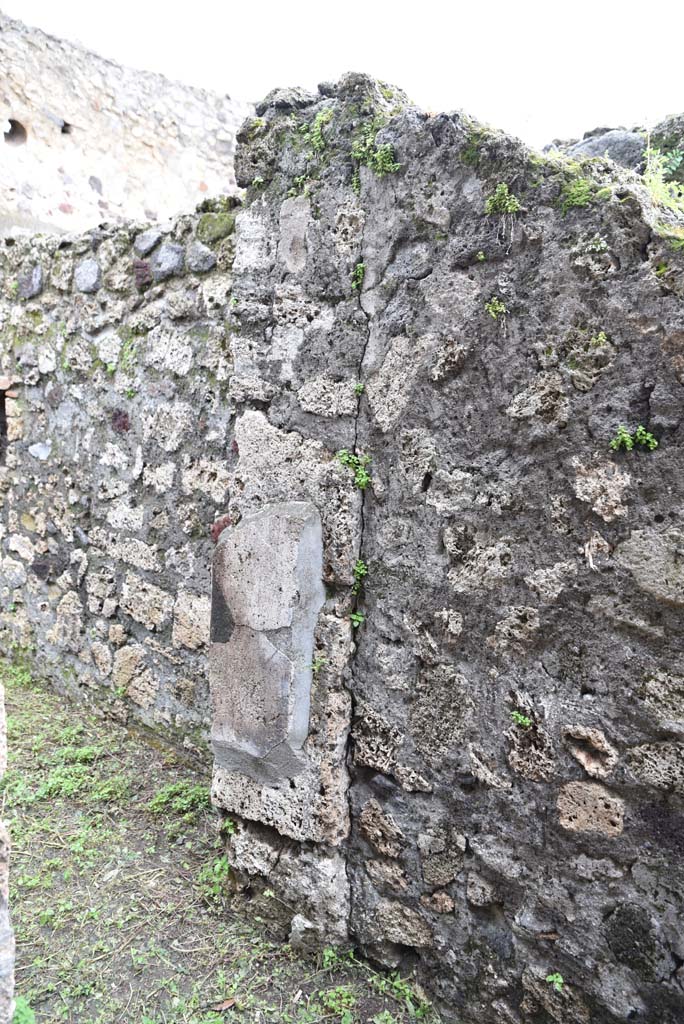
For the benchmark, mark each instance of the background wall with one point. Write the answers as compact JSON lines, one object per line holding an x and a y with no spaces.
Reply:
{"x":92,"y":142}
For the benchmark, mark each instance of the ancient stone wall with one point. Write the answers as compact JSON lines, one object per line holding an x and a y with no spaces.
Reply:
{"x":515,"y":673}
{"x":464,"y":751}
{"x":85,"y":141}
{"x":116,"y":455}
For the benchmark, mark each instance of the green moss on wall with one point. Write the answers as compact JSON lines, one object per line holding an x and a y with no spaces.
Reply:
{"x":212,"y":227}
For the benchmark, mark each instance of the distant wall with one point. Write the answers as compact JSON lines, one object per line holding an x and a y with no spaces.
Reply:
{"x":92,"y":142}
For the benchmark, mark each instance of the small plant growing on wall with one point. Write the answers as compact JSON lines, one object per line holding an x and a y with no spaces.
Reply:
{"x":358,"y":274}
{"x":641,"y":437}
{"x":556,"y":980}
{"x":622,"y":439}
{"x":318,"y":663}
{"x":496,"y":308}
{"x":645,"y":438}
{"x":360,"y":572}
{"x":522,"y":720}
{"x":659,"y":169}
{"x":317,"y":138}
{"x":580,"y":192}
{"x":358,"y":464}
{"x":357,"y":619}
{"x":380,"y":158}
{"x":502,"y":201}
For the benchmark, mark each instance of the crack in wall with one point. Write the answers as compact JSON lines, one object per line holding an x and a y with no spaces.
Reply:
{"x":352,"y":660}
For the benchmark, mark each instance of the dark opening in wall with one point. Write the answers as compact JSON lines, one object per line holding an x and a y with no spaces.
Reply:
{"x":66,"y":128}
{"x":3,"y":428}
{"x":16,"y":134}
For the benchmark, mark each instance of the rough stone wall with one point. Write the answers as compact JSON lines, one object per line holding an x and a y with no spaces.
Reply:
{"x":515,"y":758}
{"x":92,"y":142}
{"x":114,"y":366}
{"x":490,"y":788}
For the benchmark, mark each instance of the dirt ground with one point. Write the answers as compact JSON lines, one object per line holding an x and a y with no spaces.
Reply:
{"x":121,"y":898}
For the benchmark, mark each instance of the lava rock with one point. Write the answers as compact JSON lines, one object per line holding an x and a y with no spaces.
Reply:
{"x":167,"y":260}
{"x":88,"y":276}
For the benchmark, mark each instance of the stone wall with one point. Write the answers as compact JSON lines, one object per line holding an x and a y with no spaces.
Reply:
{"x":86,"y":141}
{"x":114,"y":367}
{"x":465,"y":753}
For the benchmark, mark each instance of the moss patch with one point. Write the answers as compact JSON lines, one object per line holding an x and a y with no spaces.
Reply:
{"x":212,"y":227}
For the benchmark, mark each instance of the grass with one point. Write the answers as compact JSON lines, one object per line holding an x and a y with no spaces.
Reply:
{"x":121,"y":896}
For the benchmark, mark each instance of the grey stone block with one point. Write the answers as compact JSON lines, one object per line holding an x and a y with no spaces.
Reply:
{"x":625,"y":148}
{"x":267,"y":594}
{"x":30,"y":282}
{"x":200,"y":258}
{"x":87,"y":276}
{"x":146,"y":241}
{"x":168,"y":260}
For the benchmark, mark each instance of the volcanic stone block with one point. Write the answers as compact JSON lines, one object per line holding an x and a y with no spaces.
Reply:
{"x":267,"y":593}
